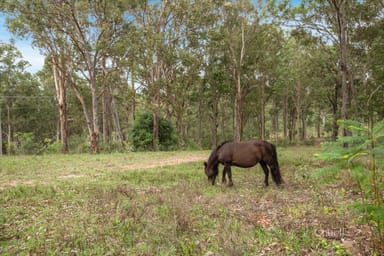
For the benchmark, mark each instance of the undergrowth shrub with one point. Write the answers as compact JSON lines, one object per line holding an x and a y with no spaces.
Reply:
{"x":25,"y":143}
{"x":142,"y":133}
{"x":52,"y":147}
{"x":361,"y":155}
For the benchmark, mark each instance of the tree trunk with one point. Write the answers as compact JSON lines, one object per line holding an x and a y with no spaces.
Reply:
{"x":333,"y":99}
{"x":318,"y":124}
{"x":85,"y":110}
{"x":80,"y":42}
{"x":237,"y":64}
{"x":292,"y":124}
{"x":298,"y":110}
{"x":106,"y":115}
{"x":262,"y":111}
{"x":340,"y":8}
{"x":275,"y":124}
{"x":155,"y":142}
{"x":155,"y":133}
{"x":61,"y":96}
{"x":200,"y":128}
{"x":214,"y":121}
{"x":95,"y":118}
{"x":133,"y":98}
{"x":238,"y":106}
{"x":285,"y":117}
{"x":107,"y":109}
{"x":116,"y":121}
{"x":303,"y":126}
{"x":9,"y":135}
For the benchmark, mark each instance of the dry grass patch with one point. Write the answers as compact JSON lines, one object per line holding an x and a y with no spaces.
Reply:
{"x":172,"y":210}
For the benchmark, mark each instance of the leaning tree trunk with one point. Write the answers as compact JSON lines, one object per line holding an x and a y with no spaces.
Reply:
{"x":84,"y":106}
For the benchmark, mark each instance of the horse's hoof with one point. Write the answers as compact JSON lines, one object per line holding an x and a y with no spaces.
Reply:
{"x":230,"y":184}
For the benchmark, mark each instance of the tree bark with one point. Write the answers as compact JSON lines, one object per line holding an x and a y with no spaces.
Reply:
{"x":318,"y":124}
{"x":155,"y":142}
{"x":214,"y":122}
{"x":107,"y":98}
{"x":9,"y":135}
{"x":116,"y":121}
{"x":80,"y":42}
{"x":85,"y":109}
{"x":61,"y":96}
{"x":237,"y":66}
{"x":238,"y":107}
{"x":155,"y":133}
{"x":285,"y":117}
{"x":298,"y":111}
{"x":333,"y":99}
{"x":200,"y":128}
{"x":340,"y":13}
{"x":262,"y":110}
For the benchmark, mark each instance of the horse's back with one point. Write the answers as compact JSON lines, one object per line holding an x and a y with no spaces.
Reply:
{"x":242,"y":153}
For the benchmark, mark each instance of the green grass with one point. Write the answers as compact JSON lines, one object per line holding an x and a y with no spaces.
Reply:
{"x":123,"y":204}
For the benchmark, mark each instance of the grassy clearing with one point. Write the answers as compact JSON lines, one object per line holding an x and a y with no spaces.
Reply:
{"x":126,"y":204}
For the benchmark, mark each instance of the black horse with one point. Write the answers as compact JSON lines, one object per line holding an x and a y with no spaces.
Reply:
{"x":243,"y":154}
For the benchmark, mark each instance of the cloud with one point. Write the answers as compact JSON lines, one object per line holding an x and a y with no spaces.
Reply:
{"x":32,"y":55}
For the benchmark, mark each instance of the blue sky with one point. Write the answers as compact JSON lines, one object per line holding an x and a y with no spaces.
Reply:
{"x":29,"y":53}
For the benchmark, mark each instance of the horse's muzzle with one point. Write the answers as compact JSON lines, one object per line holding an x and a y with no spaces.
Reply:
{"x":211,"y":179}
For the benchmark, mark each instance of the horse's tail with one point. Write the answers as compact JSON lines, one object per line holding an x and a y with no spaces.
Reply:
{"x":275,"y":170}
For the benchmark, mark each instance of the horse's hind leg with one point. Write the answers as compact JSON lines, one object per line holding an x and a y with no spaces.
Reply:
{"x":266,"y":172}
{"x":229,"y":173}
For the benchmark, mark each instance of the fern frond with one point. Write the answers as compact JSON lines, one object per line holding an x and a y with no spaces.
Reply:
{"x":379,"y":127}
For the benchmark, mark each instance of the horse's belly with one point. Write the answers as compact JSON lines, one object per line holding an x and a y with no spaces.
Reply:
{"x":244,"y":164}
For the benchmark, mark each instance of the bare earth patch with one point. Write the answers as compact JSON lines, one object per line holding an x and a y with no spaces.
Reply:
{"x":174,"y":160}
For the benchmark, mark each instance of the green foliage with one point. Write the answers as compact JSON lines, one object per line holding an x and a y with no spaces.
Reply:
{"x":52,"y":147}
{"x":360,"y":154}
{"x":142,"y":133}
{"x":79,"y":143}
{"x":25,"y":143}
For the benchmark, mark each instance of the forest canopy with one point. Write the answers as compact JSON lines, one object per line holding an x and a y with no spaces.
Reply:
{"x":215,"y":70}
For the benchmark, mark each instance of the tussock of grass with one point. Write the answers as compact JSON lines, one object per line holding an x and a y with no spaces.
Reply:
{"x":171,"y":209}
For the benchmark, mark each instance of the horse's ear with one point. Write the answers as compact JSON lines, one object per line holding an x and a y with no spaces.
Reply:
{"x":205,"y":164}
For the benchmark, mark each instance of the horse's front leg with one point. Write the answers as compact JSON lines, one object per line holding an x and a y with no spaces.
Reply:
{"x":224,"y":179}
{"x":266,"y":172}
{"x":228,"y":170}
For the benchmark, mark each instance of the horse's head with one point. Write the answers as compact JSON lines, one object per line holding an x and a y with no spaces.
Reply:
{"x":211,"y":172}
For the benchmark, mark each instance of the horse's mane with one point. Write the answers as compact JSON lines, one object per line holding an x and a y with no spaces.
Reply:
{"x":213,"y":157}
